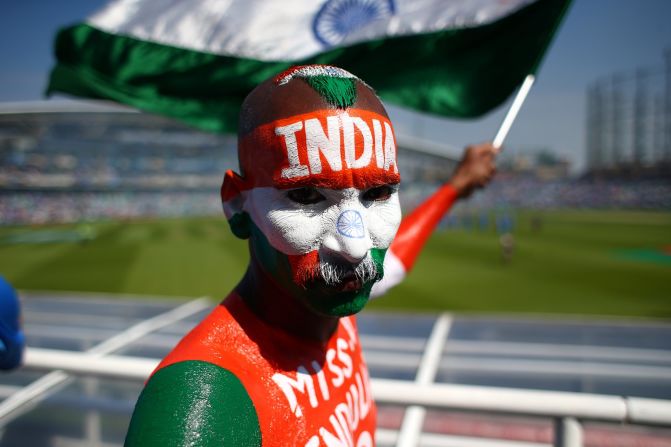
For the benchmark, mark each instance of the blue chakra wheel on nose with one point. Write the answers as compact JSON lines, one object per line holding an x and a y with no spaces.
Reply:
{"x":350,"y":224}
{"x":337,"y":19}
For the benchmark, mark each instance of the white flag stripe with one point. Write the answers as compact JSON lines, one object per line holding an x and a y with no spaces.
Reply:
{"x":269,"y":30}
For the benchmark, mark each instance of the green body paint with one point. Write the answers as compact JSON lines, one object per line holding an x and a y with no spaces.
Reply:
{"x":194,"y":403}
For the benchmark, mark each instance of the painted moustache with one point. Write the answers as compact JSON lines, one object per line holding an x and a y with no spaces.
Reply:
{"x":345,"y":276}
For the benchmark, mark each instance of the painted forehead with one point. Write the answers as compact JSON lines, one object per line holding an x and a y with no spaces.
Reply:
{"x":325,"y":148}
{"x":337,"y":134}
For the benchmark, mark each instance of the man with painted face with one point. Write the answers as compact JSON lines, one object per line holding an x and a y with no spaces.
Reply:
{"x":279,"y":362}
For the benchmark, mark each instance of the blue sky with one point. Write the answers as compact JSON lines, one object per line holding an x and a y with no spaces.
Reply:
{"x":598,"y":37}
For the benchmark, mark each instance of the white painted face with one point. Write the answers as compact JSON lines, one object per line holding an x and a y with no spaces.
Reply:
{"x":345,"y":223}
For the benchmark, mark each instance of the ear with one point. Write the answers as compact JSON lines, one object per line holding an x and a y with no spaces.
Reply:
{"x":233,"y":202}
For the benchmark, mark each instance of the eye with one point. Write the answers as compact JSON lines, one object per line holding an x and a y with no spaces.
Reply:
{"x":379,"y":193}
{"x":305,"y":196}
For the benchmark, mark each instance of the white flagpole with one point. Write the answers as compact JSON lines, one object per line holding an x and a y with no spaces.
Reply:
{"x":512,"y":112}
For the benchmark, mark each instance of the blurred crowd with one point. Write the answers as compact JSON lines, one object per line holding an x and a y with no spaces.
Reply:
{"x":529,"y":193}
{"x":574,"y":193}
{"x":41,"y":207}
{"x":64,"y":207}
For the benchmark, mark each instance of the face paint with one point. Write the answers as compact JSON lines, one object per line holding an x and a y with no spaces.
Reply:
{"x":299,"y":275}
{"x":327,"y":148}
{"x":296,"y":229}
{"x":328,"y":252}
{"x":315,"y":250}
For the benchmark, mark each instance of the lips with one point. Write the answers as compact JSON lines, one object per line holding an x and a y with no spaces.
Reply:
{"x":305,"y":269}
{"x":349,"y":283}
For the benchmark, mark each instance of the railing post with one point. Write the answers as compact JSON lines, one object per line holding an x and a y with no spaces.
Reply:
{"x":413,"y":420}
{"x":568,"y":432}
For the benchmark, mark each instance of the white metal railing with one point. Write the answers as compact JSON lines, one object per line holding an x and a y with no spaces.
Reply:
{"x":30,"y":394}
{"x":567,"y":409}
{"x":413,"y":420}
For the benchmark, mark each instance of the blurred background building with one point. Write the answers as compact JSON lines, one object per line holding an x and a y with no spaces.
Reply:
{"x":629,"y":123}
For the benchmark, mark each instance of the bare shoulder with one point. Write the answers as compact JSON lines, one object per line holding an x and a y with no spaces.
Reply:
{"x":194,"y":403}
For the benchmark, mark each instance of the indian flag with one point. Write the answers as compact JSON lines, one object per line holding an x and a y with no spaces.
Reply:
{"x":196,"y":60}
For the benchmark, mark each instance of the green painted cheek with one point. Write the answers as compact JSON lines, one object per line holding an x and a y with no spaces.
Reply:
{"x":194,"y":403}
{"x":378,"y":255}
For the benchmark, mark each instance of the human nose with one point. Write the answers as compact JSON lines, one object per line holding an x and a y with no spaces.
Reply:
{"x":350,"y":238}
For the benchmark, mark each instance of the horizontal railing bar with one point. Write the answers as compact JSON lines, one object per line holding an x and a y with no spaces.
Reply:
{"x":457,"y":397}
{"x":648,"y":411}
{"x":389,"y":437}
{"x":109,"y":366}
{"x":391,"y":346}
{"x":409,"y":362}
{"x":502,"y":400}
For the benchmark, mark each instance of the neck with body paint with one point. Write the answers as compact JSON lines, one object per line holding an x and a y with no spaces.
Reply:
{"x":280,"y":309}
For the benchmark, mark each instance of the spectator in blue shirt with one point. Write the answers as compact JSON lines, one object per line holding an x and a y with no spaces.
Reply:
{"x":11,"y":336}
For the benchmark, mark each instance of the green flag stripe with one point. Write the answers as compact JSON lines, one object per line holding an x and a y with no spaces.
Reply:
{"x":194,"y":403}
{"x":459,"y":73}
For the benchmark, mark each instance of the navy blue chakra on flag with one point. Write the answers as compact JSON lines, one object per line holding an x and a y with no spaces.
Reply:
{"x":337,"y":19}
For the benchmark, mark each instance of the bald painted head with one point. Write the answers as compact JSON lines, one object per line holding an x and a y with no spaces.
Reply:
{"x":317,"y":189}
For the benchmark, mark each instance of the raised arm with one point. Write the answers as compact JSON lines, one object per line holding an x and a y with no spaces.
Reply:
{"x":474,"y":171}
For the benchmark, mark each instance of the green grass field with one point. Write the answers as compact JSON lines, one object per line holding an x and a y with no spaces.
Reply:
{"x":579,"y":262}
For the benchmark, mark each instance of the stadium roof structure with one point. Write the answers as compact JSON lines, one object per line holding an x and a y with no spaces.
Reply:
{"x":439,"y":380}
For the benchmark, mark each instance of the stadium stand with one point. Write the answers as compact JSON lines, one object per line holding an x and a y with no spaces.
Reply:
{"x":77,"y":162}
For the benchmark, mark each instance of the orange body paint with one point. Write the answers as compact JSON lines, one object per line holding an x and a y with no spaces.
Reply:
{"x":305,"y":393}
